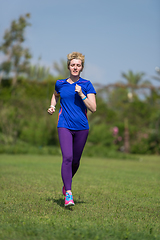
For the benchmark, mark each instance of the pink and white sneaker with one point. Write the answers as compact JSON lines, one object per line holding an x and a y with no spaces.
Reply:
{"x":69,"y":199}
{"x":63,"y":191}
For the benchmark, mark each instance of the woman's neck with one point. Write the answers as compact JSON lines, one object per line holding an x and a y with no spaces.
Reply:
{"x":73,"y":78}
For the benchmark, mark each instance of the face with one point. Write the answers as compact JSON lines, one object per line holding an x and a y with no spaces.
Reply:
{"x":75,"y":67}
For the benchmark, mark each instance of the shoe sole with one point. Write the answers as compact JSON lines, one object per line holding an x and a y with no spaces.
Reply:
{"x":69,"y":204}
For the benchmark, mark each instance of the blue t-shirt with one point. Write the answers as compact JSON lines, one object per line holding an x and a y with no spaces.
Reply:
{"x":73,"y":112}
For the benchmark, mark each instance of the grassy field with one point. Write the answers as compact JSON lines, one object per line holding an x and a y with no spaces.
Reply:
{"x":114,"y":199}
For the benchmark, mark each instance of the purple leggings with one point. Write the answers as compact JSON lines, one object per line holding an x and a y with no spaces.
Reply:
{"x":72,"y":144}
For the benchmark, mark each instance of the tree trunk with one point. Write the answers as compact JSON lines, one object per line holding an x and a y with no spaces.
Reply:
{"x":14,"y":80}
{"x":1,"y":75}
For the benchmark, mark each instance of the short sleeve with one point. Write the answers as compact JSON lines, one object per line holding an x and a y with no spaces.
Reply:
{"x":57,"y":87}
{"x":90,"y":88}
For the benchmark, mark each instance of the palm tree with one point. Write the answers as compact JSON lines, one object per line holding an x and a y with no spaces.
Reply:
{"x":135,"y":80}
{"x":37,"y":72}
{"x":158,"y":72}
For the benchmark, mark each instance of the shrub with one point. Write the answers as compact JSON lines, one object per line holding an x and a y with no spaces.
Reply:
{"x":101,"y":134}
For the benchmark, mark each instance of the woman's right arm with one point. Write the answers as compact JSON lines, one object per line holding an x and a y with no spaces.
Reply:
{"x":54,"y":101}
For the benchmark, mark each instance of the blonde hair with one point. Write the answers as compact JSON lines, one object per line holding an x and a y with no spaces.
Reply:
{"x":75,"y":55}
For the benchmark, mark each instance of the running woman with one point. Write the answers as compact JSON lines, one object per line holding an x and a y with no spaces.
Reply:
{"x":76,"y":96}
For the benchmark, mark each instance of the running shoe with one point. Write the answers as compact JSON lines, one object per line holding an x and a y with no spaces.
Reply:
{"x":69,"y":199}
{"x":63,"y":191}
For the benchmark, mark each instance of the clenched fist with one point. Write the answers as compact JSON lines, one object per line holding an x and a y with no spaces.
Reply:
{"x":78,"y":89}
{"x":51,"y":110}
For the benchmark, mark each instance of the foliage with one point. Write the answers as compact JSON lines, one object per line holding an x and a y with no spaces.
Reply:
{"x":98,"y":135}
{"x":24,"y":118}
{"x":133,"y":78}
{"x":17,"y":57}
{"x":157,"y":77}
{"x":37,"y":72}
{"x":61,"y":68}
{"x":24,"y":114}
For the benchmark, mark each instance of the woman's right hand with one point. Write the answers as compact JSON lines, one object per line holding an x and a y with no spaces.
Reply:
{"x":51,"y":110}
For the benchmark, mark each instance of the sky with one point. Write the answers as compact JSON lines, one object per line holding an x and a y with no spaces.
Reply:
{"x":114,"y":35}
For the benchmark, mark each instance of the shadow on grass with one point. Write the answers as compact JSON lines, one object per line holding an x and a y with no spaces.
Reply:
{"x":60,"y":202}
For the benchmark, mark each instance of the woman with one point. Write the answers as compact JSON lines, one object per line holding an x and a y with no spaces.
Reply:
{"x":76,"y":96}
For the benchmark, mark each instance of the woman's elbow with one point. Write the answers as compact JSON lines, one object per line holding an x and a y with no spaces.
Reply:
{"x":93,"y":109}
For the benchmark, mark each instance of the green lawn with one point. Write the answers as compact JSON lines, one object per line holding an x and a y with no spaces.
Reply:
{"x":114,"y":199}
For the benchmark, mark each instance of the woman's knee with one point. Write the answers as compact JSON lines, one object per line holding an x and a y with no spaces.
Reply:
{"x":68,"y":160}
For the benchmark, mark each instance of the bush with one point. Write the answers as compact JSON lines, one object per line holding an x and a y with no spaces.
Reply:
{"x":154,"y":142}
{"x":91,"y":150}
{"x":23,"y":148}
{"x":101,"y":134}
{"x":140,"y":147}
{"x":35,"y":132}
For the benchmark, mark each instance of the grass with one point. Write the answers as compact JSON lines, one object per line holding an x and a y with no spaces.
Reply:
{"x":114,"y":199}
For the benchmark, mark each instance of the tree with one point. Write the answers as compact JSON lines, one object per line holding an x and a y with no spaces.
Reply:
{"x":158,"y":73}
{"x":37,"y":72}
{"x":134,"y":80}
{"x":17,"y":57}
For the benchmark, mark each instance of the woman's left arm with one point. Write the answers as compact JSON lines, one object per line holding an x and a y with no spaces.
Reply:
{"x":89,"y":100}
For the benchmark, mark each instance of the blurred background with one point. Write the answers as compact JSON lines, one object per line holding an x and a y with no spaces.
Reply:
{"x":121,"y":44}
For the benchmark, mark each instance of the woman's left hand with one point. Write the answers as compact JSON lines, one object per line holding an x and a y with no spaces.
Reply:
{"x":78,"y":89}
